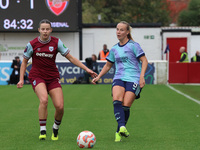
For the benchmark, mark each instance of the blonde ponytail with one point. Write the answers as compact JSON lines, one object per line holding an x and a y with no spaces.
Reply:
{"x":129,"y":28}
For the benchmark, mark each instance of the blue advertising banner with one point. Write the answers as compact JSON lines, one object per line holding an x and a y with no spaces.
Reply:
{"x":5,"y":72}
{"x":69,"y":73}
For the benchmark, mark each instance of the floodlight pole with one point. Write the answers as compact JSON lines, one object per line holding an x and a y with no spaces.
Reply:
{"x":80,"y":29}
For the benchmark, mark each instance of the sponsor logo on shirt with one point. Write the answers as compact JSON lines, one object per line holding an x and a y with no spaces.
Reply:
{"x":44,"y":55}
{"x":122,"y":59}
{"x":51,"y":48}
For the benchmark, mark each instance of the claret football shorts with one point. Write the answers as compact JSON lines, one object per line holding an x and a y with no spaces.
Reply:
{"x":50,"y":84}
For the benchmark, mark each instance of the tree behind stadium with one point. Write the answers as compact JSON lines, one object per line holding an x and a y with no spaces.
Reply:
{"x":190,"y":17}
{"x":134,"y":11}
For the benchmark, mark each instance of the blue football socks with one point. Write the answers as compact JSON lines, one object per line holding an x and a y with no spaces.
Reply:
{"x":119,"y":113}
{"x":126,"y":114}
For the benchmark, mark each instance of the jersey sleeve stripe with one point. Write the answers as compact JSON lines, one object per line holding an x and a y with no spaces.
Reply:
{"x":143,"y":54}
{"x":67,"y":52}
{"x":109,"y":60}
{"x":26,"y":57}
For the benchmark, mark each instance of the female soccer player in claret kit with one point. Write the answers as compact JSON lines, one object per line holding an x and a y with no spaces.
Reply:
{"x":44,"y":75}
{"x":130,"y":64}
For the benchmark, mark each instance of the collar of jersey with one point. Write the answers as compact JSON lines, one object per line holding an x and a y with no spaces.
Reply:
{"x":124,"y":44}
{"x":44,"y":42}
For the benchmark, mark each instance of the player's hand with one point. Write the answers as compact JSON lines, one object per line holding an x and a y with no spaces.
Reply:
{"x":20,"y":84}
{"x":95,"y":80}
{"x":92,"y":73}
{"x":142,"y":82}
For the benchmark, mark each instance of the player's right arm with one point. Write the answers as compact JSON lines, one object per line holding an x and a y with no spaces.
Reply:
{"x":22,"y":72}
{"x":110,"y":60}
{"x":105,"y":69}
{"x":27,"y":55}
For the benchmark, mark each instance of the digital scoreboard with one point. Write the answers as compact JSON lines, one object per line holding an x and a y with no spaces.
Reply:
{"x":25,"y":15}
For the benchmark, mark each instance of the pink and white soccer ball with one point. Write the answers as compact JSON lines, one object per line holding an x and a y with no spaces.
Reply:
{"x":86,"y":139}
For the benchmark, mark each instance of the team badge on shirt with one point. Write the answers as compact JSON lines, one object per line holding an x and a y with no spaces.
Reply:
{"x":57,"y":6}
{"x":51,"y":48}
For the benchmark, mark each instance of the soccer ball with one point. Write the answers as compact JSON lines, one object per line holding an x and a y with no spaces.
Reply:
{"x":86,"y":139}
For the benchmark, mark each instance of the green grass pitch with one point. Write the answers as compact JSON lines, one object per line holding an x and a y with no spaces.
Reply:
{"x":160,"y":120}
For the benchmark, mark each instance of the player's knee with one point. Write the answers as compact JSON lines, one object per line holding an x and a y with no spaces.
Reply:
{"x":60,"y":108}
{"x":127,"y":104}
{"x":44,"y":101}
{"x":117,"y":98}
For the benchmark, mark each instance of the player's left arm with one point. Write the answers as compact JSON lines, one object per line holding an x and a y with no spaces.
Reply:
{"x":144,"y":61}
{"x":65,"y":52}
{"x":76,"y":62}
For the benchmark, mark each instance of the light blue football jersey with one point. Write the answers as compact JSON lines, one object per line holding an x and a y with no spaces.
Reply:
{"x":126,"y":60}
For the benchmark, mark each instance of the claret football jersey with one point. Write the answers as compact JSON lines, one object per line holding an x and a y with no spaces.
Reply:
{"x":43,"y":57}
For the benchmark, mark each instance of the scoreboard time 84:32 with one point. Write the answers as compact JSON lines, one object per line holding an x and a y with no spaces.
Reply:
{"x":25,"y":15}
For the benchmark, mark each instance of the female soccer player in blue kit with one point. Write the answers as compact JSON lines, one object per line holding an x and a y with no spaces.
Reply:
{"x":131,"y":64}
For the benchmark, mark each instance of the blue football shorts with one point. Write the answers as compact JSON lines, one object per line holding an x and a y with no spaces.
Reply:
{"x":129,"y":86}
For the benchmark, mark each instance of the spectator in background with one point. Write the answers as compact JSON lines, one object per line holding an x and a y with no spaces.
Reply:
{"x":104,"y":53}
{"x":91,"y":63}
{"x":196,"y":58}
{"x":94,"y":63}
{"x":184,"y":55}
{"x":14,"y":77}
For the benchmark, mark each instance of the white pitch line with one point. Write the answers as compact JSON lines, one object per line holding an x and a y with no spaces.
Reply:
{"x":187,"y":96}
